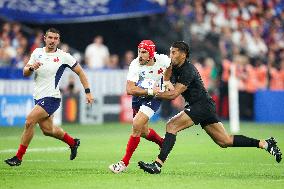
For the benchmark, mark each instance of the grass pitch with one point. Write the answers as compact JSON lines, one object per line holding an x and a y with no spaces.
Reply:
{"x":195,"y":162}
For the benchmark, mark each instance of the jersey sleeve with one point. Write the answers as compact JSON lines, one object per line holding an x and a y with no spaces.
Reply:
{"x":133,"y":74}
{"x":70,"y":60}
{"x":32,"y":59}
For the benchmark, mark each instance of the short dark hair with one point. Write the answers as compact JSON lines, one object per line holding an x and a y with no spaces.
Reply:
{"x":52,"y":30}
{"x":182,"y":46}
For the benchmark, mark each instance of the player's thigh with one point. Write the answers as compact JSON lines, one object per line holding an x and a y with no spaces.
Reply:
{"x":219,"y":134}
{"x":179,"y":122}
{"x":37,"y":114}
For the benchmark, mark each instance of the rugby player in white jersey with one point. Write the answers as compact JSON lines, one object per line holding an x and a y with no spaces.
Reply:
{"x":48,"y":63}
{"x":146,"y":71}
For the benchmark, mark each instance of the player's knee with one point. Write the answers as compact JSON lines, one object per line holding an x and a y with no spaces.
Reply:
{"x":29,"y":123}
{"x":225,"y":143}
{"x":222,"y":144}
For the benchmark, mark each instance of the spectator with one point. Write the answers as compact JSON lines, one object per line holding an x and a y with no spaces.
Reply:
{"x":113,"y":62}
{"x":37,"y":42}
{"x":96,"y":54}
{"x":127,"y":59}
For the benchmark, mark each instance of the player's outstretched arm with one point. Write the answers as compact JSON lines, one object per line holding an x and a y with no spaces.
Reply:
{"x":170,"y":95}
{"x":132,"y":89}
{"x":167,"y":76}
{"x":80,"y":72}
{"x":168,"y":73}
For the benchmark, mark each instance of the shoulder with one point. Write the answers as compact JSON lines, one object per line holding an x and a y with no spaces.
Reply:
{"x":188,"y":69}
{"x":63,"y":53}
{"x":134,"y":63}
{"x":189,"y":65}
{"x":38,"y":51}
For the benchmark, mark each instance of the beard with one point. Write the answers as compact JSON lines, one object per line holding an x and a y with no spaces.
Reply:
{"x":143,"y":62}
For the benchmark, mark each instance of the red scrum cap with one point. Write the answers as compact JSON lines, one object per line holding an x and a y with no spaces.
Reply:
{"x":149,"y":46}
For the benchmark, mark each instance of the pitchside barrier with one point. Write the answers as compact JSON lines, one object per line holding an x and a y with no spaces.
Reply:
{"x":108,"y":87}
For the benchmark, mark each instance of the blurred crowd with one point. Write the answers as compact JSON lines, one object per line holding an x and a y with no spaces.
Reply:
{"x":17,"y":44}
{"x":246,"y":35}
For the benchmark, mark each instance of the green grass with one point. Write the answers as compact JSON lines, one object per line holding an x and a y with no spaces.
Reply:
{"x":195,"y":162}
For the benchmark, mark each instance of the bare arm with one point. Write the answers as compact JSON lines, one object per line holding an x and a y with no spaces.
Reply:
{"x":132,"y":89}
{"x":168,"y":73}
{"x":80,"y":72}
{"x":170,"y":95}
{"x":29,"y":69}
{"x":167,"y":76}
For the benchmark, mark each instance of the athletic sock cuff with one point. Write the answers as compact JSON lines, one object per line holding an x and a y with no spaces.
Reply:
{"x":243,"y":141}
{"x":157,"y":163}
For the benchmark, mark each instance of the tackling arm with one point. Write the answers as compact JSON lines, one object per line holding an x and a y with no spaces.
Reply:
{"x":170,"y":95}
{"x":167,"y":76}
{"x":168,"y":73}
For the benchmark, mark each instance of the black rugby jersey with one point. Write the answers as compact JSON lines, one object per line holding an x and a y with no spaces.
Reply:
{"x":188,"y":75}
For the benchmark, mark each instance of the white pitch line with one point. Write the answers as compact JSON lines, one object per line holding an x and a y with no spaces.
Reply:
{"x":48,"y":149}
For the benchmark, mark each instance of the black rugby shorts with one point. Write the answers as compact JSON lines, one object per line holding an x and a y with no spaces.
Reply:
{"x":202,"y":112}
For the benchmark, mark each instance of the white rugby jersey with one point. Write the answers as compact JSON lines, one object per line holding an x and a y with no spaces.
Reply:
{"x":47,"y":76}
{"x":146,"y":76}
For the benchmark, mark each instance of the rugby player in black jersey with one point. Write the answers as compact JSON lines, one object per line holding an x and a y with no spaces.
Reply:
{"x":199,"y":109}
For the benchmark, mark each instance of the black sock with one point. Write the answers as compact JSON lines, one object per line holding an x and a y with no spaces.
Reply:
{"x":167,"y":146}
{"x":243,"y":141}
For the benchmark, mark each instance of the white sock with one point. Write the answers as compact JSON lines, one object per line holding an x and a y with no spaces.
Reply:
{"x":266,"y":146}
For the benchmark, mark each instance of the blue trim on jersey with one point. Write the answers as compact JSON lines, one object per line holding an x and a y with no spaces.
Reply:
{"x":60,"y":72}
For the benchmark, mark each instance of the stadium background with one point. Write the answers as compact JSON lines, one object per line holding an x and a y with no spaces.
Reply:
{"x":245,"y":34}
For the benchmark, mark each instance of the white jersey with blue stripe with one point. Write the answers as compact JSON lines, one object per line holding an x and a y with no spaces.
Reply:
{"x":146,"y":76}
{"x":47,"y":76}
